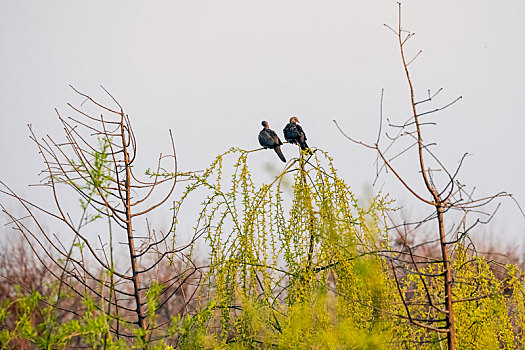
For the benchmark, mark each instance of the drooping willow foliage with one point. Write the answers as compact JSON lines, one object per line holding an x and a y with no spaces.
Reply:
{"x":299,"y":247}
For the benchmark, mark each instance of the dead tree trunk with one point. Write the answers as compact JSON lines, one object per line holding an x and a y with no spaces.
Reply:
{"x":135,"y":277}
{"x":445,"y":256}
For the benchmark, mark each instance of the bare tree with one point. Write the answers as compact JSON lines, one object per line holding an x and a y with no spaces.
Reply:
{"x":442,"y":191}
{"x":97,"y":162}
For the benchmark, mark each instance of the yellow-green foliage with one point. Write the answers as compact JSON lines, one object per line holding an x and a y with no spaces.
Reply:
{"x":482,"y":320}
{"x":299,"y":271}
{"x":488,"y":312}
{"x":36,"y":324}
{"x":297,"y":263}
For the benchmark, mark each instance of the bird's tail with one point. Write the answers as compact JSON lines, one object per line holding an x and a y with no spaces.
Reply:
{"x":305,"y":147}
{"x":277,"y":150}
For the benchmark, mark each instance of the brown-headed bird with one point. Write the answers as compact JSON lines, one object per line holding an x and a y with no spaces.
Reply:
{"x":293,"y":133}
{"x":269,"y":139}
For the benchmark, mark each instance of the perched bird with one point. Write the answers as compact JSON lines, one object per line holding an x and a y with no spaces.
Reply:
{"x":293,"y":133}
{"x":269,"y":139}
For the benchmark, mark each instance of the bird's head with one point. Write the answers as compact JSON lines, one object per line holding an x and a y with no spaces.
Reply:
{"x":294,"y":120}
{"x":265,"y":124}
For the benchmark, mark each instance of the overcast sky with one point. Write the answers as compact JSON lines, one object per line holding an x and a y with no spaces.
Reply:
{"x":212,"y":70}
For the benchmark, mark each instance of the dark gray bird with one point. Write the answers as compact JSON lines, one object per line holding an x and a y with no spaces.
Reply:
{"x":269,"y":139}
{"x":293,"y":133}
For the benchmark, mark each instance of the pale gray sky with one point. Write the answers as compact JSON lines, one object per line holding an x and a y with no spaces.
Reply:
{"x":212,"y":70}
